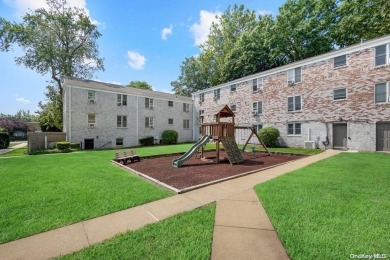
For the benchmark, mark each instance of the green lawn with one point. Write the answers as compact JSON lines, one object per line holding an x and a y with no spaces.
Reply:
{"x":185,"y":236}
{"x":16,"y":152}
{"x":43,"y":192}
{"x":334,"y":208}
{"x":287,"y":150}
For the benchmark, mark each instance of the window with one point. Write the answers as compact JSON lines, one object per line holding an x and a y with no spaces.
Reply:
{"x":294,"y":75}
{"x":257,"y":84}
{"x":119,"y":142}
{"x":170,"y":103}
{"x":149,"y":103}
{"x":121,"y":100}
{"x":294,"y":103}
{"x":217,"y":94}
{"x":340,"y":61}
{"x":382,"y":55}
{"x":233,"y":107}
{"x":186,"y":107}
{"x":121,"y":121}
{"x":201,"y":97}
{"x":233,"y":88}
{"x":91,"y":97}
{"x":294,"y":129}
{"x":258,"y":128}
{"x":340,"y":93}
{"x":149,"y":121}
{"x":91,"y":120}
{"x":382,"y":94}
{"x":257,"y":107}
{"x":170,"y":121}
{"x":186,"y":124}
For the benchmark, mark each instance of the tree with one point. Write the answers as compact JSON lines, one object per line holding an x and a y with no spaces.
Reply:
{"x":140,"y":85}
{"x":50,"y":116}
{"x":60,"y":41}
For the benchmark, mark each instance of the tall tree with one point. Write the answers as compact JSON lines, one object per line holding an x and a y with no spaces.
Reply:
{"x":59,"y":41}
{"x":140,"y":84}
{"x":50,"y":116}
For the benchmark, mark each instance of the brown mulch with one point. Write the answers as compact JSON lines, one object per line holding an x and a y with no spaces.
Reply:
{"x":195,"y":171}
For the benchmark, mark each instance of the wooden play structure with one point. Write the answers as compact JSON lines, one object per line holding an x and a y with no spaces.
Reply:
{"x":223,"y":131}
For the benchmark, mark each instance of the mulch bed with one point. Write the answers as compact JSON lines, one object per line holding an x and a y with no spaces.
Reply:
{"x":195,"y":171}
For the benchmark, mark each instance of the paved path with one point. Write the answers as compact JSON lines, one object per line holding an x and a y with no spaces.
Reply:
{"x":3,"y":151}
{"x":77,"y":236}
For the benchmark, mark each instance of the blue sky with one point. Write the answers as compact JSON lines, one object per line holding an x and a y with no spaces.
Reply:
{"x":141,"y":40}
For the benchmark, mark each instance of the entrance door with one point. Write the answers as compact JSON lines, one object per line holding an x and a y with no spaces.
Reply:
{"x":340,"y":136}
{"x":383,"y":137}
{"x":89,"y":144}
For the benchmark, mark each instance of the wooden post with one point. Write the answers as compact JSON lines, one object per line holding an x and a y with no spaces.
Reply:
{"x":217,"y":148}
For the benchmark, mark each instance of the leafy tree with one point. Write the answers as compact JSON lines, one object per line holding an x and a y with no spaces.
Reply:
{"x":60,"y":41}
{"x":140,"y":85}
{"x":24,"y":115}
{"x":50,"y":115}
{"x":12,"y":125}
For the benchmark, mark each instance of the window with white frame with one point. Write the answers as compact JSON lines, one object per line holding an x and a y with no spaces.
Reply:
{"x":233,"y":88}
{"x":382,"y":92}
{"x":91,"y":97}
{"x":170,"y":103}
{"x":201,"y":97}
{"x":149,"y":103}
{"x":149,"y":122}
{"x":186,"y":124}
{"x":119,"y":141}
{"x":91,"y":120}
{"x":257,"y":107}
{"x":170,"y":121}
{"x":121,"y":121}
{"x":294,"y":129}
{"x":121,"y":100}
{"x":186,"y":107}
{"x":340,"y":61}
{"x":217,"y":94}
{"x":339,"y":94}
{"x":382,"y":55}
{"x":294,"y":75}
{"x":257,"y":85}
{"x":258,"y":128}
{"x":294,"y":103}
{"x":233,"y":107}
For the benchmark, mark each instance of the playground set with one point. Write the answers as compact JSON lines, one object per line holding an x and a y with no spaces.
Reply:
{"x":222,"y":131}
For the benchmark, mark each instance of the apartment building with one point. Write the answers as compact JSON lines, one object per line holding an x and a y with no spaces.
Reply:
{"x":103,"y":115}
{"x":340,"y":99}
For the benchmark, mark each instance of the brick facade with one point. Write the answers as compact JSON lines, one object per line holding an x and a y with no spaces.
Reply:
{"x":319,"y":111}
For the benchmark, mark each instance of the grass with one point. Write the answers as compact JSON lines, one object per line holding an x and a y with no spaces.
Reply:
{"x":16,"y":152}
{"x":334,"y":208}
{"x":43,"y":192}
{"x":185,"y":236}
{"x":286,"y":150}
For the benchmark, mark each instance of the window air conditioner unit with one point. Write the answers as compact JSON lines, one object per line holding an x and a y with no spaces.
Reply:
{"x":119,"y":104}
{"x":92,"y":101}
{"x":151,"y":107}
{"x":291,"y":83}
{"x":309,"y":145}
{"x":254,"y":113}
{"x":91,"y":125}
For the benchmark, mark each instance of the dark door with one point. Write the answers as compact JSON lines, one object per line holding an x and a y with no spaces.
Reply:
{"x":340,"y":136}
{"x":89,"y":144}
{"x":383,"y":137}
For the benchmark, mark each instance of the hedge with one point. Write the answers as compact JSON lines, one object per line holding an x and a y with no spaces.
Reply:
{"x":63,"y":145}
{"x":149,"y":140}
{"x":169,"y":137}
{"x":270,"y":136}
{"x":4,"y":140}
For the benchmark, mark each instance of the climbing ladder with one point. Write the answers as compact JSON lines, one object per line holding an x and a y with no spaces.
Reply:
{"x":231,"y":148}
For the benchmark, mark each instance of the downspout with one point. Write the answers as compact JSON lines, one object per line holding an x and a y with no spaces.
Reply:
{"x":137,"y":121}
{"x":193,"y":119}
{"x":70,"y":114}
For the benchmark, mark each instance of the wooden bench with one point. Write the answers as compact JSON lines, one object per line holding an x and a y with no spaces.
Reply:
{"x":125,"y":157}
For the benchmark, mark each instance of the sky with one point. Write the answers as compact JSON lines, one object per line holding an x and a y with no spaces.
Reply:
{"x":141,"y":40}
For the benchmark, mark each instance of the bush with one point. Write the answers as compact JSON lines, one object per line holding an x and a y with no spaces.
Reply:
{"x":270,"y":136}
{"x":63,"y":145}
{"x":4,"y":140}
{"x":169,"y":137}
{"x":149,"y":140}
{"x":74,"y":145}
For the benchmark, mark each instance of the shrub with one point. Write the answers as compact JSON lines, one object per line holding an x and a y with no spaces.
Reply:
{"x":4,"y":140}
{"x":74,"y":145}
{"x":169,"y":137}
{"x":149,"y":140}
{"x":270,"y":136}
{"x":63,"y":145}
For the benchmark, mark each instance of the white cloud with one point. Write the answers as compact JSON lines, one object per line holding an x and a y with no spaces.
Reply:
{"x":23,"y":6}
{"x":166,"y":31}
{"x":23,"y":100}
{"x":265,"y":12}
{"x":136,"y":60}
{"x":201,"y":30}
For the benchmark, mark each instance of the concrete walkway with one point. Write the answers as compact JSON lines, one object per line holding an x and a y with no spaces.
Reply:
{"x":21,"y":145}
{"x":77,"y":236}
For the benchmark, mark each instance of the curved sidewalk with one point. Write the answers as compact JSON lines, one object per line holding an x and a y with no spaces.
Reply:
{"x":77,"y":236}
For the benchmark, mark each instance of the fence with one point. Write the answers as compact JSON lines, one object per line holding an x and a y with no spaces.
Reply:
{"x":43,"y":140}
